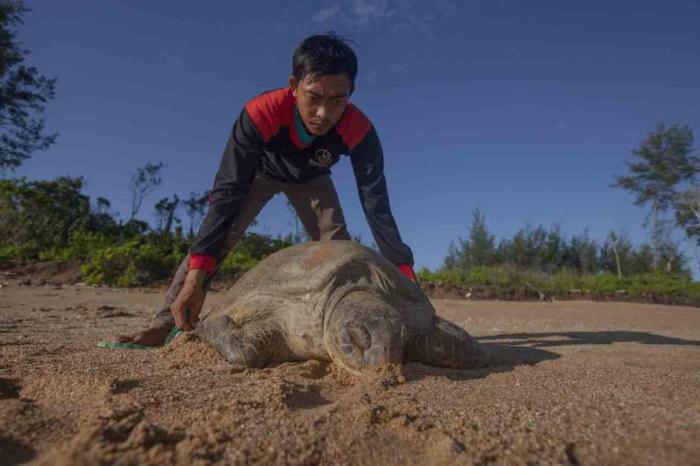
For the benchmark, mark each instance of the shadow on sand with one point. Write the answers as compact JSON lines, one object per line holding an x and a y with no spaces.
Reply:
{"x":504,"y":358}
{"x":514,"y":349}
{"x":550,"y":339}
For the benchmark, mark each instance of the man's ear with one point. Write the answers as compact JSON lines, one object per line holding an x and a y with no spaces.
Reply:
{"x":293,"y":84}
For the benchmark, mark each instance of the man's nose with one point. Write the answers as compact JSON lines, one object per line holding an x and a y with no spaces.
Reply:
{"x":321,"y":112}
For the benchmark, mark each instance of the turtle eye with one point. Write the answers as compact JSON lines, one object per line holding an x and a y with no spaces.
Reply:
{"x":359,"y":335}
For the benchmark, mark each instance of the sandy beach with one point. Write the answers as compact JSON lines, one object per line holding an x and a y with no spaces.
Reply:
{"x":573,"y":382}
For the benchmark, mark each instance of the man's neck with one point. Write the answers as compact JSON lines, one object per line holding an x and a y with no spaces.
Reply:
{"x":304,"y":135}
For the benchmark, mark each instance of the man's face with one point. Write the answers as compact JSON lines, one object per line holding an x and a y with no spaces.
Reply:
{"x":321,"y":100}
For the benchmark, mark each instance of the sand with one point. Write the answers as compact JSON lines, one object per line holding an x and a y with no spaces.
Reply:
{"x":574,"y":382}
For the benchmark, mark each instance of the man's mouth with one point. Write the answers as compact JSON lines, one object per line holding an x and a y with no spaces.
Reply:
{"x":317,"y":127}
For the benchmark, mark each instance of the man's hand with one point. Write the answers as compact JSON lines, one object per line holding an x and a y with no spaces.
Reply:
{"x":188,"y":303}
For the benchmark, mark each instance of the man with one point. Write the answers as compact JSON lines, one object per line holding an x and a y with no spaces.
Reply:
{"x":286,"y":140}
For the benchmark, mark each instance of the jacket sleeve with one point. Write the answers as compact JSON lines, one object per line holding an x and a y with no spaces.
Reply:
{"x":368,"y":165}
{"x":232,"y":183}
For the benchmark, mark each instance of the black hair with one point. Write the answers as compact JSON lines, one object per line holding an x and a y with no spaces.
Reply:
{"x":325,"y":54}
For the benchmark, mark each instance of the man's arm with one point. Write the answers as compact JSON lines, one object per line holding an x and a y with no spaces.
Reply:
{"x":232,"y":183}
{"x":368,"y":165}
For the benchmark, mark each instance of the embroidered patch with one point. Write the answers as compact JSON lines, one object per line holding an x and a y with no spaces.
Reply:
{"x":322,"y":158}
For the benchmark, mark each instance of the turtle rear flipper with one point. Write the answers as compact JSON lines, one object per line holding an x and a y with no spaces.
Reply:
{"x":246,"y":346}
{"x":447,"y":345}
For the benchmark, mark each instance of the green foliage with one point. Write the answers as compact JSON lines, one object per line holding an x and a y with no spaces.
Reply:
{"x":541,"y":250}
{"x":137,"y":262}
{"x":24,"y":93}
{"x":8,"y":252}
{"x":249,"y":251}
{"x":237,"y":263}
{"x":477,"y":249}
{"x":81,"y":246}
{"x":505,"y":281}
{"x":663,"y":162}
{"x":687,"y":212}
{"x":53,"y":220}
{"x":448,"y":276}
{"x":565,"y":280}
{"x":38,"y":216}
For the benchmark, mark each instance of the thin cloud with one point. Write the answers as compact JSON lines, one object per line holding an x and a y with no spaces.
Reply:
{"x":327,"y":15}
{"x":407,"y":15}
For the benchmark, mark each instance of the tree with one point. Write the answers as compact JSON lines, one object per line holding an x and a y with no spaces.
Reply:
{"x":102,"y":221}
{"x":582,"y":254}
{"x":194,"y":208}
{"x":165,"y":212}
{"x":687,"y":206}
{"x":664,"y":160}
{"x":478,"y":249}
{"x":37,"y":216}
{"x":615,"y":252}
{"x":23,"y":94}
{"x":102,"y":205}
{"x":143,"y":182}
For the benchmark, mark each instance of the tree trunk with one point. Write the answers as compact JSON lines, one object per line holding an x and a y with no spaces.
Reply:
{"x":654,"y":236}
{"x":617,"y":261}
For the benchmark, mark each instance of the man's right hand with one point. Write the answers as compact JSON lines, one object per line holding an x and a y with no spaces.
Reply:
{"x":188,"y":304}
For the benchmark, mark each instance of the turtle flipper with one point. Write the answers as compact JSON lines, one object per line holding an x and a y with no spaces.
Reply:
{"x":363,"y":332}
{"x":237,"y":344}
{"x":447,"y":345}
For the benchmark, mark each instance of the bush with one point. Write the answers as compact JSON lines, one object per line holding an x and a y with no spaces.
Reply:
{"x":237,"y":263}
{"x":8,"y":253}
{"x":82,"y":246}
{"x":252,"y":249}
{"x":137,"y":262}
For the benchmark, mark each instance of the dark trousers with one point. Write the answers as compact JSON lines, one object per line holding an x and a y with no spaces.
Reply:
{"x":315,"y":202}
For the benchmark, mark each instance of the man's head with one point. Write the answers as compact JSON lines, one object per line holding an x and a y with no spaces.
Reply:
{"x":324,"y":68}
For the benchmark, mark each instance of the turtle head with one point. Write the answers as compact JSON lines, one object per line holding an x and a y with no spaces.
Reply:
{"x":363,"y":331}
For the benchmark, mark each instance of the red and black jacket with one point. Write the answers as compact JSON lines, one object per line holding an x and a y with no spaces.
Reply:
{"x":264,"y":139}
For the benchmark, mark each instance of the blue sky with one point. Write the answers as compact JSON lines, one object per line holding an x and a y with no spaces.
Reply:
{"x":526,"y":109}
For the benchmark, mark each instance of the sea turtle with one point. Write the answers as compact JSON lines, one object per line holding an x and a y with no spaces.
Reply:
{"x":334,"y":301}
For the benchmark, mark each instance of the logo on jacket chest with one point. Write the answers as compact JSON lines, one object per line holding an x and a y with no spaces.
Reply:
{"x":322,"y":158}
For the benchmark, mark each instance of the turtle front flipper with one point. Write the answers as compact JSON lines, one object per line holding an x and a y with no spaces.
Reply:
{"x":246,"y":345}
{"x":447,"y":345}
{"x":363,"y":331}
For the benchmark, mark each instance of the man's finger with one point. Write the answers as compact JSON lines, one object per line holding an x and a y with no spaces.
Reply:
{"x":181,"y":319}
{"x":176,"y":314}
{"x":186,"y":320}
{"x":193,"y":317}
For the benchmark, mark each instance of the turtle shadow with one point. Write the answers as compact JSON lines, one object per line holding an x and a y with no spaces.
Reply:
{"x":503,"y":358}
{"x":552,"y":339}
